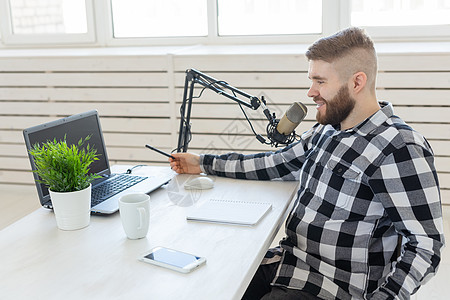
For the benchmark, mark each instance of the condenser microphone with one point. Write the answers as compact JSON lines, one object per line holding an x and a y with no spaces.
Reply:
{"x":281,"y":132}
{"x":293,"y":116}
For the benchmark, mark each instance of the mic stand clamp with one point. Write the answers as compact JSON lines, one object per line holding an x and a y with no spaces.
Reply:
{"x":277,"y":138}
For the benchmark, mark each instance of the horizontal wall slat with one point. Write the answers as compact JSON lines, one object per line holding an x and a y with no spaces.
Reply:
{"x":442,"y":164}
{"x":13,"y":150}
{"x":141,"y":125}
{"x":15,"y":163}
{"x":440,"y":148}
{"x":444,"y":181}
{"x":228,"y":139}
{"x":415,"y":80}
{"x":238,"y":126}
{"x":21,"y":161}
{"x":22,"y":174}
{"x":232,"y":111}
{"x":430,"y":131}
{"x":11,"y":136}
{"x":11,"y":176}
{"x":109,"y":124}
{"x":398,"y":97}
{"x":294,"y":62}
{"x":84,"y":79}
{"x":224,"y":141}
{"x":418,"y":97}
{"x":409,"y":114}
{"x":20,"y":166}
{"x":260,"y":62}
{"x":13,"y":142}
{"x":237,"y":141}
{"x":140,"y":154}
{"x":272,"y":96}
{"x":22,"y":122}
{"x":433,"y":131}
{"x":300,"y":79}
{"x":445,"y":197}
{"x":234,"y":142}
{"x":86,"y":63}
{"x":257,"y":80}
{"x":423,"y":114}
{"x":69,"y":108}
{"x":153,"y":163}
{"x":421,"y":62}
{"x":137,"y":140}
{"x":109,"y":94}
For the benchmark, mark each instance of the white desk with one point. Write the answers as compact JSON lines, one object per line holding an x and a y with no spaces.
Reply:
{"x":38,"y":261}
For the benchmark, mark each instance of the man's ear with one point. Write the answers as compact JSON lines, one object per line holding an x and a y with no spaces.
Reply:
{"x":359,"y":81}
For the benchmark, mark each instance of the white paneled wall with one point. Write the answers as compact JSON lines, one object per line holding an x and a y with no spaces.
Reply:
{"x":138,"y":95}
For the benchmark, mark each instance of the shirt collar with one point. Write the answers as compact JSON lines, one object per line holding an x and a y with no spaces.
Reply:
{"x":370,"y":124}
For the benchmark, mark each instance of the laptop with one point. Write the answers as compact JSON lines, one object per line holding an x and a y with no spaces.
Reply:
{"x":79,"y":126}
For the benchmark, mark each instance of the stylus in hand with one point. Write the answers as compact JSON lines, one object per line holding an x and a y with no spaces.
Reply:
{"x":159,"y":151}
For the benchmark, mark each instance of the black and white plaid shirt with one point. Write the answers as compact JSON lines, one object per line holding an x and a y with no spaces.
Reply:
{"x":359,"y":190}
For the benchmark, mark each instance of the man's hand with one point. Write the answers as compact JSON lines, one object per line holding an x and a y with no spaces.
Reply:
{"x":185,"y":163}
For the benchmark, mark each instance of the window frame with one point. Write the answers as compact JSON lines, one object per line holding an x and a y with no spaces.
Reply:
{"x":328,"y":7}
{"x":335,"y":22}
{"x":11,"y":39}
{"x":100,"y":30}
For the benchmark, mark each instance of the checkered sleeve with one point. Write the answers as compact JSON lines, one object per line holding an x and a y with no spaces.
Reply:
{"x":406,"y":184}
{"x":283,"y":164}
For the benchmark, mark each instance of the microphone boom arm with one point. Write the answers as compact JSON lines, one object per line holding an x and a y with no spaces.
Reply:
{"x":220,"y":87}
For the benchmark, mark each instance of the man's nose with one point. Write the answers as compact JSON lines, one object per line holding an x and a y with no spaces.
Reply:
{"x":312,"y":92}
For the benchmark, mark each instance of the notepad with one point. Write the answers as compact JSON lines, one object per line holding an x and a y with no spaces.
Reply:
{"x":229,"y":212}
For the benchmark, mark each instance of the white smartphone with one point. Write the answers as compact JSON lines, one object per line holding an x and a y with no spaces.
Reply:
{"x":172,"y":259}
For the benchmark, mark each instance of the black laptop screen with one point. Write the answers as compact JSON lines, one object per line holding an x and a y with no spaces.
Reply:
{"x":74,"y":129}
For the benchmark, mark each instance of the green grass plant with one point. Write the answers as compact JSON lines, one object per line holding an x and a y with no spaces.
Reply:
{"x":63,"y":167}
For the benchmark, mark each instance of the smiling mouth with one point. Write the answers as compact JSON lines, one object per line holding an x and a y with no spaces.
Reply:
{"x":320,"y":104}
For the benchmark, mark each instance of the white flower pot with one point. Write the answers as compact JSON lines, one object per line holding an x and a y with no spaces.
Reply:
{"x":72,"y":209}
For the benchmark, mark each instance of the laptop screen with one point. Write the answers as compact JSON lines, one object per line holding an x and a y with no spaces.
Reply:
{"x":73,"y":127}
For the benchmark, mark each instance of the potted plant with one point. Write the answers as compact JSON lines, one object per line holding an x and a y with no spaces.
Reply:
{"x":65,"y":170}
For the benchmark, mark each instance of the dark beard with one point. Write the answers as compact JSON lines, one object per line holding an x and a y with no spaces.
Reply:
{"x":337,"y":109}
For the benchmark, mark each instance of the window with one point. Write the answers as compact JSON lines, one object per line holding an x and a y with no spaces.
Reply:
{"x":402,"y":18}
{"x":48,"y":16}
{"x":47,"y":21}
{"x":400,"y":12}
{"x":268,"y":17}
{"x":159,"y":18}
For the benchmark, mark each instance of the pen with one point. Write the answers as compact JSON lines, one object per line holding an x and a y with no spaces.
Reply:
{"x":159,"y":151}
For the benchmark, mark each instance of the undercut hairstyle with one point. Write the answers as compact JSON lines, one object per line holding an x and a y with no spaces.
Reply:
{"x":351,"y":50}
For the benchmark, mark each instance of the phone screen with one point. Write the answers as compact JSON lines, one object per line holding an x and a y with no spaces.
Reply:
{"x":172,"y":257}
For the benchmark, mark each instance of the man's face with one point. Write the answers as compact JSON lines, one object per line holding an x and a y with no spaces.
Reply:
{"x":334,"y":102}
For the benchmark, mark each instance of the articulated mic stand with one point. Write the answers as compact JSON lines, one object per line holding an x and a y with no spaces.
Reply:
{"x":220,"y":87}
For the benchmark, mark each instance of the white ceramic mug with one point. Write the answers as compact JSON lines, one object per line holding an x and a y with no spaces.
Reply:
{"x":135,"y":214}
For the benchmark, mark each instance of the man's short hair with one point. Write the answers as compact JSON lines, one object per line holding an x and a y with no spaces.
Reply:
{"x":353,"y":47}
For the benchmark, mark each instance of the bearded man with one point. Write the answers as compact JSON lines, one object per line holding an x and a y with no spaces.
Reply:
{"x":367,"y":181}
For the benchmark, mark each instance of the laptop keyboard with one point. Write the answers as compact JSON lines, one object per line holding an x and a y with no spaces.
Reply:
{"x":113,"y":186}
